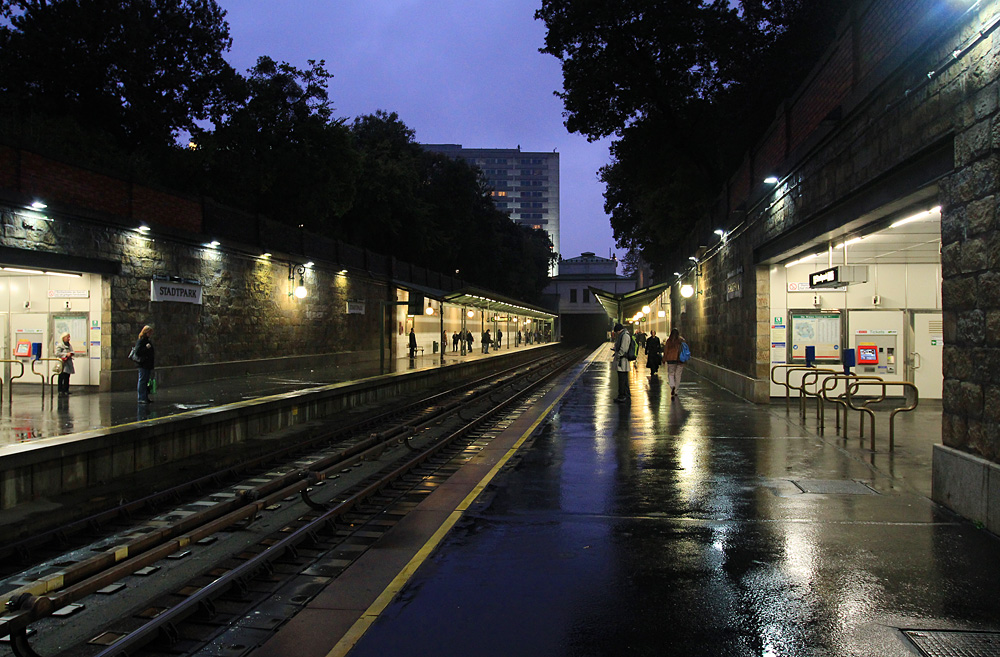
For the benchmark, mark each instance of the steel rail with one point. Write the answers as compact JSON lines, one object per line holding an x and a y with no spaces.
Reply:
{"x":223,"y":583}
{"x":36,"y":601}
{"x":61,"y":534}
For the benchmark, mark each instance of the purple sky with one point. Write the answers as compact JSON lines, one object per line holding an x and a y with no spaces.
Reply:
{"x":456,"y":71}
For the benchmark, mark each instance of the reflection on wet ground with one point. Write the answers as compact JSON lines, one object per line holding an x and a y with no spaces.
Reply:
{"x":703,"y":525}
{"x":32,"y":416}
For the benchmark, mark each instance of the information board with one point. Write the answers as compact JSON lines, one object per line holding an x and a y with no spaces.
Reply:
{"x":820,"y":330}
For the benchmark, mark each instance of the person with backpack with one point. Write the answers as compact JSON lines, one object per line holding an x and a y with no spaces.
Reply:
{"x":623,"y":354}
{"x":676,"y":352}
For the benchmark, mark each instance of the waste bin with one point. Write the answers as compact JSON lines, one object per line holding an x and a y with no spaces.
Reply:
{"x":36,"y":350}
{"x":435,"y":348}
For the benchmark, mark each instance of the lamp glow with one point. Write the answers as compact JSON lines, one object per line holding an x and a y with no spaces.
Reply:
{"x":661,"y":313}
{"x":687,"y":291}
{"x":771,"y":180}
{"x":428,"y":310}
{"x":300,"y":291}
{"x":38,"y":205}
{"x":470,"y":314}
{"x":645,"y":309}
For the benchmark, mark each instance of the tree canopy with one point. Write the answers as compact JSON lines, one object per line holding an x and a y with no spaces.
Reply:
{"x":114,"y":84}
{"x":684,"y":86}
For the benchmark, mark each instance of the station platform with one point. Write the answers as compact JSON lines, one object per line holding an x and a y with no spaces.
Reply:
{"x":29,"y":416}
{"x":701,"y":525}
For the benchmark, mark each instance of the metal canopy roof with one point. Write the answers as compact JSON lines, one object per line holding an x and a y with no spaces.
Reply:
{"x":479,"y":298}
{"x":620,"y":305}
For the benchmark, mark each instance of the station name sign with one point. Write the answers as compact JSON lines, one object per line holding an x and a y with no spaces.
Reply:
{"x":179,"y":292}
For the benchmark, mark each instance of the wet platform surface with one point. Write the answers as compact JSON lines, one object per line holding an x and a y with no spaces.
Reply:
{"x":703,"y":525}
{"x":29,"y":416}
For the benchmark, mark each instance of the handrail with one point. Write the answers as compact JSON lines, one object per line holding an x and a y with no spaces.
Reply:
{"x":839,"y":399}
{"x":18,"y":376}
{"x":892,"y":416}
{"x":788,"y":374}
{"x":774,"y":368}
{"x":805,"y":383}
{"x":51,"y":376}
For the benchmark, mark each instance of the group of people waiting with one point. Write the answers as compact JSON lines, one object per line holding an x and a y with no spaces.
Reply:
{"x":142,"y":355}
{"x":656,"y":353}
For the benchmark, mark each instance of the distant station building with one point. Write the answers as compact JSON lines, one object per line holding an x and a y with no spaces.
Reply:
{"x":525,"y":185}
{"x":583,"y":319}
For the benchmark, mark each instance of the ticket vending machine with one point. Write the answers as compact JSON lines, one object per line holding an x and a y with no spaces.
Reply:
{"x":876,"y":354}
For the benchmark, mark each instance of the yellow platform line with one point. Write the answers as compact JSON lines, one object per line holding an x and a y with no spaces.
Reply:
{"x":354,"y":634}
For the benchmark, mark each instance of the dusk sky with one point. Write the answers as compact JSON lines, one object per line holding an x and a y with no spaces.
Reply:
{"x":456,"y":71}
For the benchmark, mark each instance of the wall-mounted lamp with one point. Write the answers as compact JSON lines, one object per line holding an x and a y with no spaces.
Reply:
{"x":470,"y":314}
{"x":265,"y":256}
{"x":428,"y":310}
{"x":645,"y":310}
{"x":38,"y":205}
{"x":687,"y":291}
{"x":694,"y":259}
{"x":300,"y":290}
{"x":661,"y":313}
{"x":143,"y":228}
{"x":214,"y":244}
{"x":771,"y":180}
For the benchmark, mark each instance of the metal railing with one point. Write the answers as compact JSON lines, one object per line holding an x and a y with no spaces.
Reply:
{"x":852,"y":389}
{"x":52,"y":375}
{"x":13,"y":376}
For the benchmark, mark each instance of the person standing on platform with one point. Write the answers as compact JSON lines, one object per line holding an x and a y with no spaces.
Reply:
{"x":145,"y":354}
{"x":486,"y":341}
{"x":64,"y":352}
{"x":454,"y":340}
{"x":469,"y":339}
{"x":653,"y":356}
{"x":517,"y":339}
{"x":499,"y":341}
{"x":672,"y":354}
{"x":619,"y":358}
{"x":413,"y":344}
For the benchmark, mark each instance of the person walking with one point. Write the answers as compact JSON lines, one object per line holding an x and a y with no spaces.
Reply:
{"x":145,"y":354}
{"x":619,"y":359}
{"x":64,"y":352}
{"x":654,"y":357}
{"x":413,"y":344}
{"x":672,"y":354}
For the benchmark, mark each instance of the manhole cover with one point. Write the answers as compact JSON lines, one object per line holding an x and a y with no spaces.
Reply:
{"x":945,"y":643}
{"x":833,"y":487}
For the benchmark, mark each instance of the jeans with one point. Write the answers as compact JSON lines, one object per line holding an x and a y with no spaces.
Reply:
{"x":143,"y":388}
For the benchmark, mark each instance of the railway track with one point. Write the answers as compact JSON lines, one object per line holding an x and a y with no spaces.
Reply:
{"x":250,"y":554}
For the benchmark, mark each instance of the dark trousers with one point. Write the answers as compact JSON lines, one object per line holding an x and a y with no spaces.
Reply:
{"x":62,"y":384}
{"x":623,"y":391}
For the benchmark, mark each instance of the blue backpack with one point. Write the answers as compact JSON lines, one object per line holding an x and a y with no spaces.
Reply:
{"x":685,"y":354}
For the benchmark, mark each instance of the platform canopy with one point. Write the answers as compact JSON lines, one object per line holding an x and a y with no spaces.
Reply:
{"x":619,"y":305}
{"x":474,"y":297}
{"x":478,"y":298}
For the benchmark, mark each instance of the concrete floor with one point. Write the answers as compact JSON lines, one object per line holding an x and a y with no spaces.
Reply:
{"x":703,"y":525}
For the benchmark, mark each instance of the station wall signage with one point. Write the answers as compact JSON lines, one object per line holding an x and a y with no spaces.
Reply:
{"x":179,"y":292}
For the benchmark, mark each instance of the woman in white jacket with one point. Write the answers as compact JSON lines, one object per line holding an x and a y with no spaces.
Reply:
{"x":64,"y":352}
{"x":622,"y":340}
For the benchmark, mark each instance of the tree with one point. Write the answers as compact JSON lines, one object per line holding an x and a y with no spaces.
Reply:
{"x":278,"y":151}
{"x":138,"y":71}
{"x":685,"y":86}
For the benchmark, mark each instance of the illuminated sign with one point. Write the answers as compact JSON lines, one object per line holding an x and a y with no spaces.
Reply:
{"x":867,"y":354}
{"x":825,"y":278}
